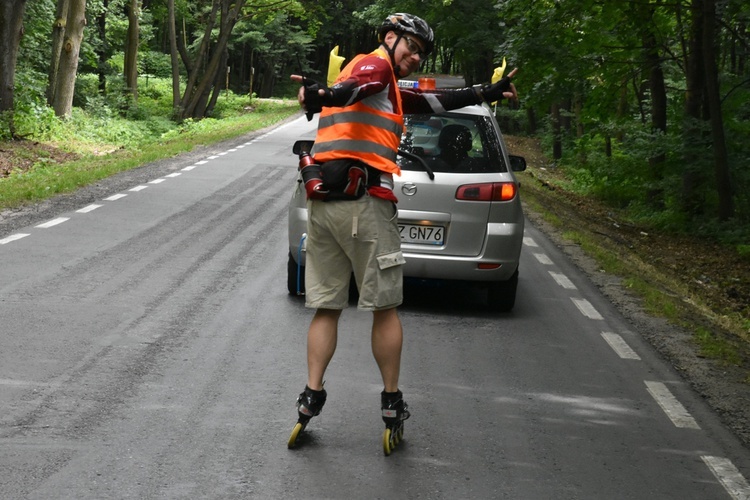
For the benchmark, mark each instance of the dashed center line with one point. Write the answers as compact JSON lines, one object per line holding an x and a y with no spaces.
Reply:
{"x":673,"y":408}
{"x":529,"y":242}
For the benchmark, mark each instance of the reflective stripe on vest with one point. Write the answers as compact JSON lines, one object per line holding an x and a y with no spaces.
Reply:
{"x":359,"y":131}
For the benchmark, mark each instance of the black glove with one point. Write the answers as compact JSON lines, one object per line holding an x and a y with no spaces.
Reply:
{"x":494,"y":91}
{"x":314,"y":102}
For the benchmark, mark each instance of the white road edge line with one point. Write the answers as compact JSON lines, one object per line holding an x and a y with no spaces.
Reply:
{"x":529,"y":242}
{"x":13,"y":237}
{"x":563,"y":280}
{"x":138,"y":188}
{"x":729,"y":476}
{"x":587,"y":309}
{"x":674,"y":410}
{"x":88,"y":208}
{"x":543,"y":259}
{"x":53,"y":222}
{"x":620,"y":346}
{"x":157,"y":181}
{"x":115,"y":197}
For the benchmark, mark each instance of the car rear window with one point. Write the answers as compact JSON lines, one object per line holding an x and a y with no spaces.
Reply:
{"x":452,"y":142}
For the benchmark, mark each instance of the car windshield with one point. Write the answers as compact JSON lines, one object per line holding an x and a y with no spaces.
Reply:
{"x":452,"y":142}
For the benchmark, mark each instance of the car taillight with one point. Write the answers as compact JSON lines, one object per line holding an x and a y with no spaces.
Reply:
{"x":493,"y":191}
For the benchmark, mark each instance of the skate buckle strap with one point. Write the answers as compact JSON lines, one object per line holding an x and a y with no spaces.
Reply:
{"x":305,"y":411}
{"x":390,"y":413}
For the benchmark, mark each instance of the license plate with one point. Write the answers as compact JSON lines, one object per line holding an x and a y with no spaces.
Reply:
{"x":422,"y":235}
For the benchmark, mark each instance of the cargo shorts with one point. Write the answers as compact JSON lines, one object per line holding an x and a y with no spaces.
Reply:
{"x":355,"y":236}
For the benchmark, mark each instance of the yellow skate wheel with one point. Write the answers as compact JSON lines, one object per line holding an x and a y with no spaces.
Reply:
{"x":387,"y":448}
{"x":295,"y":433}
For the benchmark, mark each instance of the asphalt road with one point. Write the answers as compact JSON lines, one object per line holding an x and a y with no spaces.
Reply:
{"x":149,"y":349}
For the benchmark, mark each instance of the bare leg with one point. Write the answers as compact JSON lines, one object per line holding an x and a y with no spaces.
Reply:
{"x":387,"y":339}
{"x":321,"y":344}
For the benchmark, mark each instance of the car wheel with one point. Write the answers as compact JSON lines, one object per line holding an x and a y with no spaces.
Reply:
{"x":295,"y":277}
{"x":501,"y":295}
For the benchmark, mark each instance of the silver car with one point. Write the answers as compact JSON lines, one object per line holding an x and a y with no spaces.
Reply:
{"x":459,"y":210}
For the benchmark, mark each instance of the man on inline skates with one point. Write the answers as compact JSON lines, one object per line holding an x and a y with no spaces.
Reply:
{"x":352,"y":223}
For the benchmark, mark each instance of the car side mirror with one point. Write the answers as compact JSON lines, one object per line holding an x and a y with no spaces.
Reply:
{"x":302,"y":147}
{"x":517,"y":163}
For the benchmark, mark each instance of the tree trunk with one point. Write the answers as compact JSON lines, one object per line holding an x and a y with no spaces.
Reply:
{"x":103,"y":50}
{"x":66,"y":74}
{"x":193,"y":66}
{"x":195,"y":99}
{"x":174,"y":56}
{"x":531,"y":117}
{"x":11,"y":31}
{"x":131,"y":51}
{"x":713,"y":99}
{"x":556,"y":132}
{"x":58,"y":36}
{"x":658,"y":102}
{"x":219,"y":84}
{"x":692,"y":199}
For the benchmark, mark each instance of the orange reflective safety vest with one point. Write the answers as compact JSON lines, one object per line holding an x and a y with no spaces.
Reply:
{"x":359,"y":131}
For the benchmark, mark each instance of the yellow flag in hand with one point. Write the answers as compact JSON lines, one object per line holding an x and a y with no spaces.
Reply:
{"x":497,"y":75}
{"x":334,"y":65}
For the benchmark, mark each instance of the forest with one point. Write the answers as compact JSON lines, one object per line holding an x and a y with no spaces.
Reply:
{"x":644,"y":104}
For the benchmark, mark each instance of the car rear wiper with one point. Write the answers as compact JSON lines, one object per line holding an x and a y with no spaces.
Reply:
{"x":420,"y":160}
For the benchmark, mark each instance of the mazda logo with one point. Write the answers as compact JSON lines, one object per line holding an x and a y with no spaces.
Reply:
{"x":409,"y":189}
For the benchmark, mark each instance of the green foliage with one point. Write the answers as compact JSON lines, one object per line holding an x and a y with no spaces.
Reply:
{"x":743,"y":251}
{"x":592,"y":58}
{"x":716,"y":347}
{"x":155,"y":64}
{"x":31,"y":115}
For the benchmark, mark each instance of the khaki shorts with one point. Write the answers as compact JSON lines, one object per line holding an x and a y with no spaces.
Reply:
{"x":359,"y":236}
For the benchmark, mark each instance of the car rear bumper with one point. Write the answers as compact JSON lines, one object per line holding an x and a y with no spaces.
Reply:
{"x":497,"y":261}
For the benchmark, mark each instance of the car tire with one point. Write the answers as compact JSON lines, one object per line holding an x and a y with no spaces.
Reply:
{"x":295,"y":277}
{"x":501,"y":295}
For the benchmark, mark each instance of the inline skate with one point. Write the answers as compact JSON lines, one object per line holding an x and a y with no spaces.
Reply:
{"x":394,"y":411}
{"x":309,"y":405}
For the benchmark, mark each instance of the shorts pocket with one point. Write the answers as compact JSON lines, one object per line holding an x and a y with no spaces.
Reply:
{"x":391,"y":259}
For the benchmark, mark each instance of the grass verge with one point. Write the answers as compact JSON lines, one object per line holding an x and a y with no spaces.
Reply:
{"x":46,"y":178}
